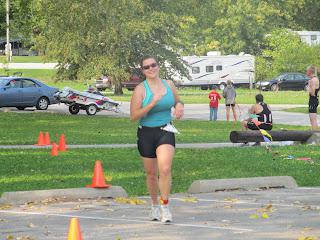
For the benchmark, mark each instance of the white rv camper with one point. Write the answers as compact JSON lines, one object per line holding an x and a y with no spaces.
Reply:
{"x":216,"y":69}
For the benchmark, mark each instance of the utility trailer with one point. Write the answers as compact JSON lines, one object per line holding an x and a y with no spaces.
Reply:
{"x":90,"y":102}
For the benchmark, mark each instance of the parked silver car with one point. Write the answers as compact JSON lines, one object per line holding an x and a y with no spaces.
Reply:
{"x":21,"y":92}
{"x":103,"y":83}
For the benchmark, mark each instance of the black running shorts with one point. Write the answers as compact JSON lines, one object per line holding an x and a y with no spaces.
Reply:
{"x":232,"y":105}
{"x":313,"y":104}
{"x":149,"y":138}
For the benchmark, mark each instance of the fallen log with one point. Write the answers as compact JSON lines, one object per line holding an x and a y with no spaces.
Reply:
{"x":284,"y":135}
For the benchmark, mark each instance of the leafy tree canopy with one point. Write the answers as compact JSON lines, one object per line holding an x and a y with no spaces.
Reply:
{"x":104,"y":36}
{"x":284,"y":52}
{"x":90,"y":38}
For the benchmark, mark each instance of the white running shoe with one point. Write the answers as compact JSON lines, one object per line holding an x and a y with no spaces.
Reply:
{"x":155,"y":213}
{"x":166,"y":215}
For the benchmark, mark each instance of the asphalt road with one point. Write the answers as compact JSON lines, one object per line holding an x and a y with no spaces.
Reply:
{"x":196,"y":111}
{"x":284,"y":214}
{"x":265,"y":215}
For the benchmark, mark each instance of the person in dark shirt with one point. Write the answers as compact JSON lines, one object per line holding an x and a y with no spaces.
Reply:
{"x":313,"y":88}
{"x":260,"y":116}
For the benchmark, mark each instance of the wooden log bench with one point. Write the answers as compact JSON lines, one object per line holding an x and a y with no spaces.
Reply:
{"x":284,"y":135}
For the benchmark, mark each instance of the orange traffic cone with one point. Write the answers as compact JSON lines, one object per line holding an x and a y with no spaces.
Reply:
{"x":74,"y":230}
{"x":62,"y":143}
{"x":54,"y":150}
{"x":40,"y":140}
{"x":98,"y":180}
{"x":47,"y":139}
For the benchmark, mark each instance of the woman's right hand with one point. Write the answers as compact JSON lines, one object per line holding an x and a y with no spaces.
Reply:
{"x":156,"y":98}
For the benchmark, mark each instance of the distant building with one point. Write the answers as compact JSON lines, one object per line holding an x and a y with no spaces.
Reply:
{"x":309,"y":37}
{"x":18,"y":49}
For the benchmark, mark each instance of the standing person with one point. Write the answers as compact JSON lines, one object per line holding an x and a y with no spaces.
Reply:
{"x":229,"y":93}
{"x":313,"y":88}
{"x":214,"y":97}
{"x":151,"y":104}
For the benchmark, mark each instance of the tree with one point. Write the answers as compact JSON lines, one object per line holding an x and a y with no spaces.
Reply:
{"x":3,"y":19}
{"x":285,"y":52}
{"x":244,"y":23}
{"x":307,"y":17}
{"x":90,"y":38}
{"x":198,"y":35}
{"x":23,"y":18}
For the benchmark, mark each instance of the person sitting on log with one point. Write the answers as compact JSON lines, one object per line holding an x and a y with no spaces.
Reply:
{"x":260,"y":116}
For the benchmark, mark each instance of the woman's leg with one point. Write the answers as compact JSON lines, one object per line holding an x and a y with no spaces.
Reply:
{"x":234,"y":113}
{"x":151,"y":169}
{"x":165,"y":153}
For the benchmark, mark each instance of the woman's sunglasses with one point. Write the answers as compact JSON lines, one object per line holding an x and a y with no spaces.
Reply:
{"x":146,"y":67}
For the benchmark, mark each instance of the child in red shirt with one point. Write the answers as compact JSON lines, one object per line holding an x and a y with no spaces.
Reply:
{"x":214,"y":103}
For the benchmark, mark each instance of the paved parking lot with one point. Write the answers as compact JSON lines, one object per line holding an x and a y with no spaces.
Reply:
{"x":264,"y":214}
{"x":194,"y":111}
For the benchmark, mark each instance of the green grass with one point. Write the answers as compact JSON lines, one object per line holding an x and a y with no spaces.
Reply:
{"x":36,"y":169}
{"x":244,"y":96}
{"x":24,"y":128}
{"x":33,"y":169}
{"x":44,"y":75}
{"x":25,"y":59}
{"x":48,"y":76}
{"x":297,"y":110}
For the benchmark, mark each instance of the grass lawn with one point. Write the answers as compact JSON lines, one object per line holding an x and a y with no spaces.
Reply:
{"x":48,"y":76}
{"x":24,"y":128}
{"x":25,"y":59}
{"x":247,"y":96}
{"x":36,"y":169}
{"x":44,"y":75}
{"x":297,"y":110}
{"x":244,"y":96}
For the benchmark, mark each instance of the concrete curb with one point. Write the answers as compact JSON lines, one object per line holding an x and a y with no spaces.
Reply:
{"x":206,"y":186}
{"x":70,"y":194}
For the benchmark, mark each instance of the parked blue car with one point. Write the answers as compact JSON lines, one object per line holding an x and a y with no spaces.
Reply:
{"x":21,"y":92}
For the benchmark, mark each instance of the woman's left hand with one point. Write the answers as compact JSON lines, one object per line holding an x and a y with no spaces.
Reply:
{"x":178,"y":110}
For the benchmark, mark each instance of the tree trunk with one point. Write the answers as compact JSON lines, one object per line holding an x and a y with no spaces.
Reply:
{"x":118,"y":89}
{"x":256,"y":136}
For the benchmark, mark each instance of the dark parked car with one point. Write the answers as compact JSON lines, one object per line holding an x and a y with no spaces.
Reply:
{"x":132,"y":83}
{"x":23,"y":92}
{"x":135,"y":78}
{"x":285,"y":81}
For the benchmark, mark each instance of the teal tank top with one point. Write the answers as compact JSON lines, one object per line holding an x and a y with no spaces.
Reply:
{"x":160,"y":114}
